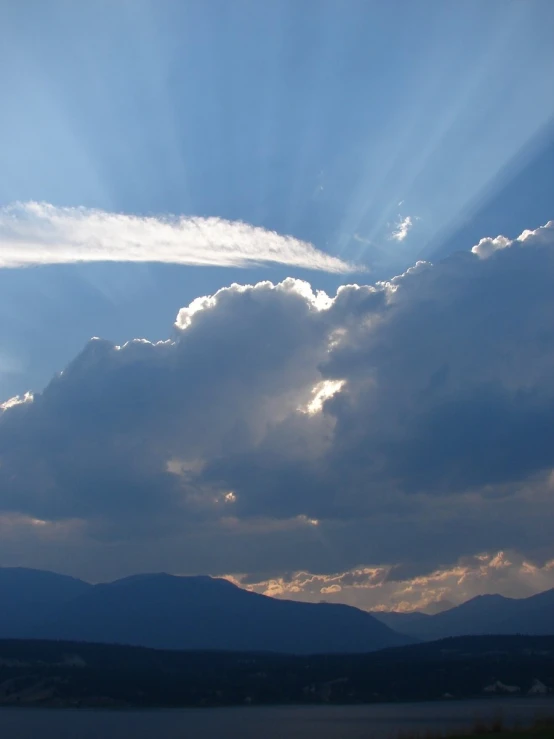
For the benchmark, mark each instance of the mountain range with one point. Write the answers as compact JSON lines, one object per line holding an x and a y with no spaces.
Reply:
{"x":164,"y":611}
{"x":484,"y":614}
{"x":169,"y":612}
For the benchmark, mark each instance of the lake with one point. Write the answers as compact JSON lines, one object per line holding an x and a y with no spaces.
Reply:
{"x":292,"y":722}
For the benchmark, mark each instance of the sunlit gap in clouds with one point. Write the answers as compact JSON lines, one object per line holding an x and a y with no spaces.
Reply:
{"x":451,"y":134}
{"x":323,"y":391}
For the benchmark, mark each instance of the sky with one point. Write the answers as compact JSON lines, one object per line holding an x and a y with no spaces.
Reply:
{"x":276,"y":294}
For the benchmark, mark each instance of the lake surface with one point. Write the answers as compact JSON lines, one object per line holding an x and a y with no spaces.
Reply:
{"x":292,"y":722}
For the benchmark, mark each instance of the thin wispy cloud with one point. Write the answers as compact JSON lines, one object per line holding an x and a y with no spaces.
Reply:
{"x":39,"y":233}
{"x":402,"y":229}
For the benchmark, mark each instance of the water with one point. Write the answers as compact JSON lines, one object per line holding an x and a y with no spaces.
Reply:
{"x":292,"y":722}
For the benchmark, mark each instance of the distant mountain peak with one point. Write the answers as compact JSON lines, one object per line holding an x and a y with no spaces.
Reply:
{"x":489,"y":613}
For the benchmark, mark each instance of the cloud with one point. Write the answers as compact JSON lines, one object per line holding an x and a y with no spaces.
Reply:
{"x":39,"y":233}
{"x":392,"y":429}
{"x":378,"y":588}
{"x":402,"y":228}
{"x":487,"y":247}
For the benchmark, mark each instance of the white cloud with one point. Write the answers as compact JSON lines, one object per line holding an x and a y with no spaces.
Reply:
{"x":17,"y":400}
{"x":402,"y":228}
{"x":39,"y":233}
{"x":486,"y":247}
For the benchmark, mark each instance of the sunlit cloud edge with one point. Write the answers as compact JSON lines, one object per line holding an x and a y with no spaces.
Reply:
{"x":33,"y":234}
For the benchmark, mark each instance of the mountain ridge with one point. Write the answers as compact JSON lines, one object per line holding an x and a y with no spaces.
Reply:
{"x":165,"y":611}
{"x":484,"y":614}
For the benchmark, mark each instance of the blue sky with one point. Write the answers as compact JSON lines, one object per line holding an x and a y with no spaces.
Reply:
{"x":374,"y":134}
{"x":329,"y":121}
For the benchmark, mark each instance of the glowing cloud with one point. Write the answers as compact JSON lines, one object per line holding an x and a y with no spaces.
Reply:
{"x":39,"y":233}
{"x":403,"y":226}
{"x":320,"y":393}
{"x":488,"y":246}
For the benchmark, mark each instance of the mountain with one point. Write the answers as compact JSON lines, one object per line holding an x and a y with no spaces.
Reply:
{"x":168,"y":612}
{"x":485,"y":614}
{"x":30,"y":596}
{"x":403,"y":622}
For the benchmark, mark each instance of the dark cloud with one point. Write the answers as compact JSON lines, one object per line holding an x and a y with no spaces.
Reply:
{"x":406,"y":422}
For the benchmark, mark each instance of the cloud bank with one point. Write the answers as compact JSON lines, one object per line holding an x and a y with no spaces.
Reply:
{"x":39,"y":233}
{"x":380,"y":588}
{"x":403,"y":427}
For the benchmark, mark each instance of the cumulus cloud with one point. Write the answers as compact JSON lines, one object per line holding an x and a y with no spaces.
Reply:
{"x":406,"y":424}
{"x":39,"y":233}
{"x":487,"y":246}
